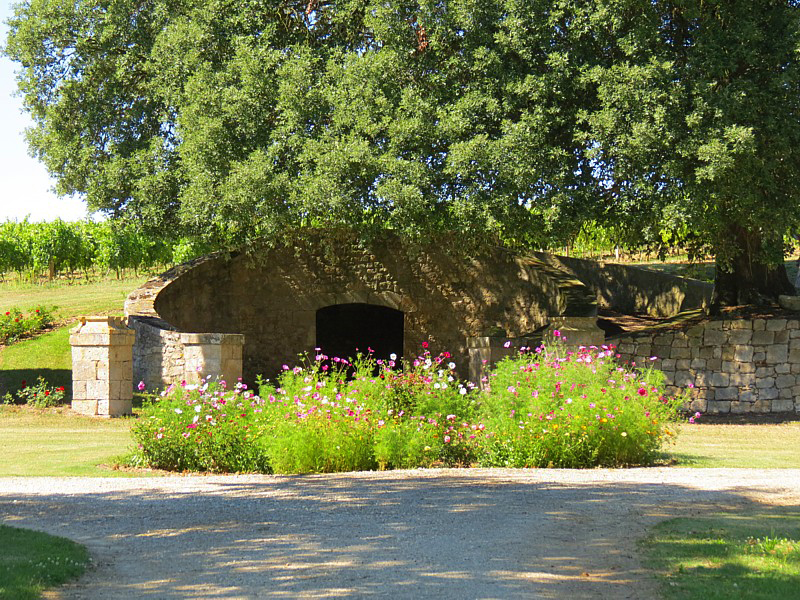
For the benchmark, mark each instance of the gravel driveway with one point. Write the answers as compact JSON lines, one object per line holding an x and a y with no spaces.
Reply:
{"x":473,"y":533}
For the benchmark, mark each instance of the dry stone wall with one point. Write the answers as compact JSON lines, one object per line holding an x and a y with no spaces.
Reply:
{"x":735,"y":365}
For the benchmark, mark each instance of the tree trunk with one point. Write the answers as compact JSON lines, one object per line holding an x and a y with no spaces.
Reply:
{"x":750,"y":280}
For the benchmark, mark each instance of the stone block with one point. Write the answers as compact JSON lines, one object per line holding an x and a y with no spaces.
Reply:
{"x":740,"y":336}
{"x":739,"y":324}
{"x":763,"y":337}
{"x":743,"y":353}
{"x":761,"y":406}
{"x":682,"y":364}
{"x":714,"y":364}
{"x":742,"y":379}
{"x":668,"y":364}
{"x":718,"y":406}
{"x":719,"y":379}
{"x":782,"y":337}
{"x":765,"y":382}
{"x":777,"y":353}
{"x":739,"y":408}
{"x":698,"y":405}
{"x":759,"y":324}
{"x":714,"y":337}
{"x":85,"y":407}
{"x":768,"y":393}
{"x":726,"y":393}
{"x":728,"y":352}
{"x":680,"y":353}
{"x":709,"y":352}
{"x":794,"y":354}
{"x":683,"y":379}
{"x":765,"y":372}
{"x":118,"y":408}
{"x":782,"y":405}
{"x":697,"y":363}
{"x":747,"y":396}
{"x":783,"y":368}
{"x":776,"y":324}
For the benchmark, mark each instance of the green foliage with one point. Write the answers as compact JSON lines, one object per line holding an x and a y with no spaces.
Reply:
{"x":15,"y":325}
{"x":32,"y":562}
{"x":542,"y":410}
{"x":40,"y":394}
{"x":657,"y":120}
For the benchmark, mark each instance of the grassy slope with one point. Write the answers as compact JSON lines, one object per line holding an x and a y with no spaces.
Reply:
{"x":49,"y":355}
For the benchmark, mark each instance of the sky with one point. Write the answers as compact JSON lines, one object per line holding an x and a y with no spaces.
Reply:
{"x":26,"y":188}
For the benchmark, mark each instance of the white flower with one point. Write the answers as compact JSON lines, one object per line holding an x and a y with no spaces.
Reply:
{"x":451,"y":365}
{"x":393,"y":356}
{"x":178,"y":411}
{"x":197,"y":408}
{"x":462,"y":391}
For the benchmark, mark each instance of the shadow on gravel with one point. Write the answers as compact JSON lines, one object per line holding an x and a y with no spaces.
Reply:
{"x":426,"y":536}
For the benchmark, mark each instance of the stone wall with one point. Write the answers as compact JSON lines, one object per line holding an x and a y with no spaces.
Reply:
{"x":634,"y":290}
{"x":735,"y":365}
{"x":272,"y":297}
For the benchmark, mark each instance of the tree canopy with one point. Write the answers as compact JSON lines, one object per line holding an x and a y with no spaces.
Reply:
{"x":235,"y":119}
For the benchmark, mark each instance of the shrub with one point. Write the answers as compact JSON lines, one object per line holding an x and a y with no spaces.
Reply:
{"x":14,"y":324}
{"x":39,"y":395}
{"x":575,"y":409}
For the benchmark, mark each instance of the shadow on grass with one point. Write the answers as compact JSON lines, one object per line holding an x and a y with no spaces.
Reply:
{"x":408,"y":535}
{"x":751,"y":554}
{"x":12,"y":380}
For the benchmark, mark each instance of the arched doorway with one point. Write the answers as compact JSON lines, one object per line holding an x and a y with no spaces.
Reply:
{"x":345,"y":329}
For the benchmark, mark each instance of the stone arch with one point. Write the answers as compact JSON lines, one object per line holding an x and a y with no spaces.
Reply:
{"x":272,"y":296}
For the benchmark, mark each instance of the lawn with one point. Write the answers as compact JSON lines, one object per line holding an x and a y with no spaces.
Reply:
{"x":770,"y":446}
{"x":755,"y":554}
{"x":38,"y":561}
{"x":56,"y":443}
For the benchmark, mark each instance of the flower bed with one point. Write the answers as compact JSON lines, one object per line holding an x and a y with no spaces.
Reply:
{"x":14,"y":324}
{"x":569,"y":409}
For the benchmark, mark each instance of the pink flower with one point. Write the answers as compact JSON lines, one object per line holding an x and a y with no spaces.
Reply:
{"x":141,"y":386}
{"x":507,"y":344}
{"x":642,"y":391}
{"x":424,"y":344}
{"x":447,"y":439}
{"x":556,"y":333}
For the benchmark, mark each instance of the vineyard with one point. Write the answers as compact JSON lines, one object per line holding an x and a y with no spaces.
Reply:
{"x":83,"y":248}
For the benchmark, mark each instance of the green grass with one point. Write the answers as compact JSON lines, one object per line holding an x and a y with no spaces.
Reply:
{"x":73,"y":300}
{"x":772,"y":446}
{"x":55,"y":443}
{"x":37,"y":561}
{"x":752,"y":555}
{"x":703,"y":271}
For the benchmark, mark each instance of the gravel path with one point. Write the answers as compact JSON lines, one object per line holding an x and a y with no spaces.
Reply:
{"x":473,"y":533}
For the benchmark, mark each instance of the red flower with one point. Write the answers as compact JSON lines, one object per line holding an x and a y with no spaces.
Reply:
{"x":24,"y":383}
{"x":47,"y":392}
{"x":60,"y":388}
{"x":424,"y":344}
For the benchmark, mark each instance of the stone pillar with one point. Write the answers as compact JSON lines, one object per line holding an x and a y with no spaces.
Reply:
{"x":102,"y":367}
{"x":484,"y":353}
{"x":215,"y":354}
{"x":574,"y":332}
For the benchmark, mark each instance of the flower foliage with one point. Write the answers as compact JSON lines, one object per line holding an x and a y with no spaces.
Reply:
{"x":14,"y":324}
{"x":540,"y":409}
{"x":40,"y":395}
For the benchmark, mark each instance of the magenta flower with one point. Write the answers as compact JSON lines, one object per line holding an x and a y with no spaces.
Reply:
{"x":141,"y":386}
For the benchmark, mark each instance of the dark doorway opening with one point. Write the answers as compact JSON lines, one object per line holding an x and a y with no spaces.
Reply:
{"x":343,"y":330}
